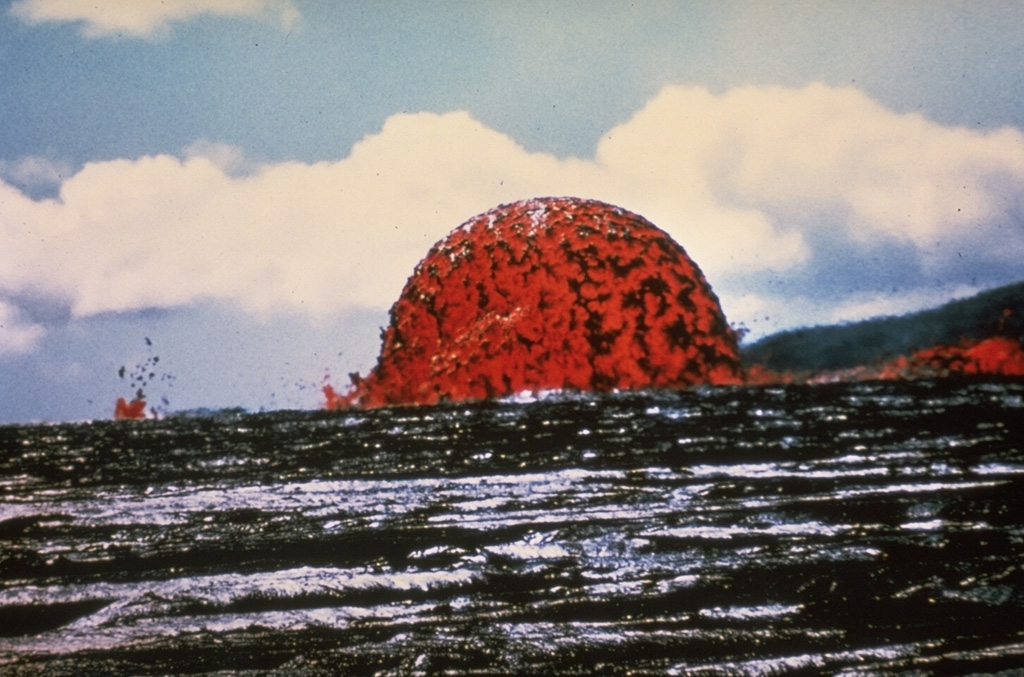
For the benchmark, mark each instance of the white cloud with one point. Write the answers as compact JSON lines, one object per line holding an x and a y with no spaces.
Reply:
{"x":827,"y":155}
{"x":16,"y":336}
{"x":862,"y":306}
{"x":738,"y":179}
{"x":230,"y":159}
{"x":759,"y":315}
{"x":145,"y":18}
{"x":764,"y":314}
{"x":34,"y":171}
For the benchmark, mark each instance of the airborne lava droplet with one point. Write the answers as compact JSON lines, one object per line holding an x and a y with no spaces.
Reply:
{"x":550,"y":293}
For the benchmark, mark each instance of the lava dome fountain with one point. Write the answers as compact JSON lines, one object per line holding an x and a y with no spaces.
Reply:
{"x":549,"y":293}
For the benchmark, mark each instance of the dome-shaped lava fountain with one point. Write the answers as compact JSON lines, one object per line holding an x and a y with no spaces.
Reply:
{"x":550,"y":293}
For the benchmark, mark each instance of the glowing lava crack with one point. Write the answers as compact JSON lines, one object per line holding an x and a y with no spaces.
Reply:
{"x":554,"y":293}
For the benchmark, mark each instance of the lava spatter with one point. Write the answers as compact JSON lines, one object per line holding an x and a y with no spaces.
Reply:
{"x":134,"y":410}
{"x":140,"y":377}
{"x":549,"y":293}
{"x":995,"y":356}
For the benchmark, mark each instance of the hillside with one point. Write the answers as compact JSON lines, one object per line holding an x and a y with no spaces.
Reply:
{"x":997,"y":311}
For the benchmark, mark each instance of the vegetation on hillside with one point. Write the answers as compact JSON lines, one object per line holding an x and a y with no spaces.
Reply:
{"x":996,"y":312}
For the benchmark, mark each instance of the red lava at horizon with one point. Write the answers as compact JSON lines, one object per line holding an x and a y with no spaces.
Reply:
{"x":141,"y":376}
{"x":578,"y":295}
{"x":999,"y":356}
{"x":136,"y":409}
{"x":543,"y":294}
{"x":993,"y":356}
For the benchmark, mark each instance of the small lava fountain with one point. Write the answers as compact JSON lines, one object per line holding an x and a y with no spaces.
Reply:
{"x":549,"y":293}
{"x":140,"y":377}
{"x":136,"y":409}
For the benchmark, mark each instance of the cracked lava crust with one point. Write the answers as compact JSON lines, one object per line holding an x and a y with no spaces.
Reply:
{"x":550,"y":293}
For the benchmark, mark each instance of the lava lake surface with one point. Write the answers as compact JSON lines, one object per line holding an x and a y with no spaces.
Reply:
{"x":861,"y":528}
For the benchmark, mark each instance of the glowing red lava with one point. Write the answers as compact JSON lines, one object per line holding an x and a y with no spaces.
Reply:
{"x":136,"y":409}
{"x":999,"y":356}
{"x":333,"y":400}
{"x":994,"y":356}
{"x":549,"y":293}
{"x":141,"y":376}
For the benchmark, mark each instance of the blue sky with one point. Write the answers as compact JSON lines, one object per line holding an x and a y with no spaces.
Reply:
{"x":249,"y":183}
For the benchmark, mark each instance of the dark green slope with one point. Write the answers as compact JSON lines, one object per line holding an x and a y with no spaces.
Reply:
{"x":859,"y":343}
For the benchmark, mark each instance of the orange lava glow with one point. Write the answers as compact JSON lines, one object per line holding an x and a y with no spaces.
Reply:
{"x":994,"y":356}
{"x":332,"y":400}
{"x":136,"y":409}
{"x":551,"y":293}
{"x":999,"y":356}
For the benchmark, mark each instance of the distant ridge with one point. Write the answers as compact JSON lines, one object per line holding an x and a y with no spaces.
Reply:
{"x":869,"y":341}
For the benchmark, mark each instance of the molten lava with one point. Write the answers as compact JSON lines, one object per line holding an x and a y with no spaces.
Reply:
{"x":136,"y":409}
{"x":553,"y":293}
{"x":994,"y":356}
{"x":141,"y":376}
{"x":998,"y":356}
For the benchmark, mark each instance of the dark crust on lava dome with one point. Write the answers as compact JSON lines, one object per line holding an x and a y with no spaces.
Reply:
{"x":551,"y":293}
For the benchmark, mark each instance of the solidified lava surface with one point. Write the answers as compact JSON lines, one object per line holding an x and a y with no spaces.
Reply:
{"x":549,"y":293}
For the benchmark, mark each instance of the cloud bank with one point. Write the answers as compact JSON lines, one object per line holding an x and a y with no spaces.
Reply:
{"x":16,"y":334}
{"x":34,"y":172}
{"x":144,"y":18}
{"x":747,"y":181}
